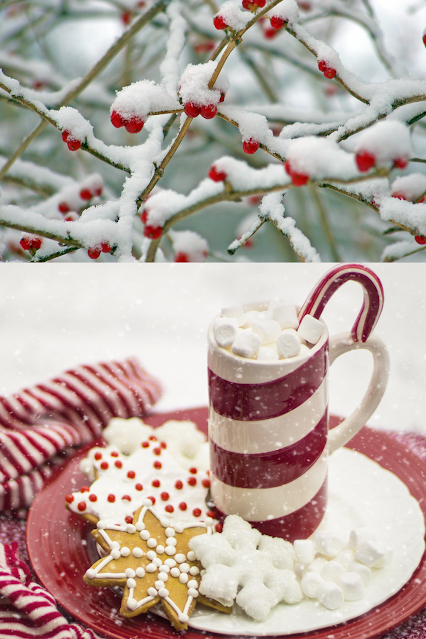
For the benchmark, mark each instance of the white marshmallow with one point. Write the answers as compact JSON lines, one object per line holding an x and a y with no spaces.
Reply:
{"x":385,"y":560}
{"x":225,"y":331}
{"x":332,"y":571}
{"x":330,"y":595}
{"x":357,"y":536}
{"x":345,"y":557}
{"x":363,"y":571}
{"x":310,"y":582}
{"x":250,"y":317}
{"x":265,"y":354}
{"x":265,"y":315}
{"x":305,"y":552}
{"x":275,"y":303}
{"x":288,"y":344}
{"x":315,"y":566}
{"x":246,"y":345}
{"x":235,"y":312}
{"x":369,"y":553}
{"x":327,"y":543}
{"x":286,"y":316}
{"x":352,"y":586}
{"x":267,"y":330}
{"x":310,"y":329}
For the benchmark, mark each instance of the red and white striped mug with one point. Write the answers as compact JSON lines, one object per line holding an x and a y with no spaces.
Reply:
{"x":268,"y":421}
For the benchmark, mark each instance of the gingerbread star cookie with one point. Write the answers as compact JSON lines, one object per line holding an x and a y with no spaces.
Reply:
{"x":151,"y":560}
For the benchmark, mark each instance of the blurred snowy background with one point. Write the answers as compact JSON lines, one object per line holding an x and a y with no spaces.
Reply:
{"x":46,"y":44}
{"x":53,"y":318}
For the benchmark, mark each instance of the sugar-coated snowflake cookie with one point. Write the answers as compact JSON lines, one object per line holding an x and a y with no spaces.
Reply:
{"x":245,"y":566}
{"x":150,"y":559}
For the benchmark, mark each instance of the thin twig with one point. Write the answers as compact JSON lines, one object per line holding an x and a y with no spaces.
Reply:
{"x":326,"y":225}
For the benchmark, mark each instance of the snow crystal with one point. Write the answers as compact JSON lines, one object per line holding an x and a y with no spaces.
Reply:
{"x":192,"y":245}
{"x":386,"y":140}
{"x":319,"y":158}
{"x":141,"y":98}
{"x":234,"y":16}
{"x":288,"y":10}
{"x":411,"y":187}
{"x":194,"y":84}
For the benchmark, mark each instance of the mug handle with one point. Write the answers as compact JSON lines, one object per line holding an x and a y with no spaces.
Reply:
{"x":343,"y":343}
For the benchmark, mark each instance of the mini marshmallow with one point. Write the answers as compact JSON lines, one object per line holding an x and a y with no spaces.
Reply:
{"x":345,"y":557}
{"x":234,"y":312}
{"x":332,"y":571}
{"x":265,"y":315}
{"x":358,"y":536}
{"x":225,"y":331}
{"x":385,"y":560}
{"x":286,"y":316}
{"x":330,"y":595}
{"x":267,"y":330}
{"x":305,"y":552}
{"x":327,"y":543}
{"x":265,"y":354}
{"x":246,"y":345}
{"x":352,"y":586}
{"x":363,"y":571}
{"x":310,"y":329}
{"x":250,"y":317}
{"x":310,"y":582}
{"x":369,"y":553}
{"x":288,"y":344}
{"x":315,"y":566}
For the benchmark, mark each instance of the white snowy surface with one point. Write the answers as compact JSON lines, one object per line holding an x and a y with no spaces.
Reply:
{"x":56,"y":317}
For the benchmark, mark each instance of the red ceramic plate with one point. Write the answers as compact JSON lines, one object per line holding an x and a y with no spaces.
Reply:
{"x":61,"y":549}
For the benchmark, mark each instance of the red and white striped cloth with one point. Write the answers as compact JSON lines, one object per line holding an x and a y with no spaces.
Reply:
{"x":26,"y":609}
{"x":39,"y":424}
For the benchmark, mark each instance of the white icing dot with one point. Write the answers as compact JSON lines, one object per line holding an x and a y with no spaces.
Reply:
{"x":130,"y":528}
{"x":180,"y":558}
{"x":131,"y":603}
{"x":151,"y":568}
{"x":145,"y":535}
{"x":131,"y":583}
{"x":193,"y":570}
{"x":115,"y":553}
{"x":202,"y":572}
{"x":184,"y":567}
{"x":159,"y":584}
{"x":183,"y":578}
{"x":101,"y":524}
{"x":163,"y":576}
{"x":140,"y":526}
{"x":160,"y":549}
{"x":157,"y":562}
{"x":152,"y":592}
{"x":130,"y":573}
{"x":192,"y":583}
{"x":175,"y":572}
{"x":170,"y":550}
{"x":91,"y":574}
{"x":170,"y":563}
{"x":193,"y":593}
{"x":140,"y":572}
{"x":192,"y":556}
{"x":125,"y":552}
{"x":137,"y":552}
{"x":163,"y":592}
{"x":164,"y":568}
{"x":151,"y":554}
{"x":114,"y":544}
{"x":171,"y":541}
{"x":179,"y":528}
{"x":147,"y":503}
{"x":164,"y":522}
{"x":151,"y":543}
{"x":183,"y":618}
{"x":170,"y":532}
{"x":208,"y":521}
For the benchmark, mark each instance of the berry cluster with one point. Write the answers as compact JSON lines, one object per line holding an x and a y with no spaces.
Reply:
{"x":326,"y":69}
{"x":32,"y":244}
{"x":150,"y":231}
{"x":297,"y":177}
{"x":134,"y":124}
{"x":365,"y":160}
{"x":72,"y":143}
{"x":95,"y":251}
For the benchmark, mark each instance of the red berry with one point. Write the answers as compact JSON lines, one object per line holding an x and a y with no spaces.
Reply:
{"x":400,"y":163}
{"x":131,"y":474}
{"x":277,"y":22}
{"x":138,"y":487}
{"x":422,"y":199}
{"x":116,"y":120}
{"x":299,"y":179}
{"x":164,"y":496}
{"x":182,"y":506}
{"x":208,"y":112}
{"x":73,"y":145}
{"x":153,"y":500}
{"x":144,"y":216}
{"x":93,"y":497}
{"x":126,"y":17}
{"x":69,"y":498}
{"x":25,"y":243}
{"x":181,"y":257}
{"x":126,"y":497}
{"x":169,"y":508}
{"x":206,"y":484}
{"x":424,"y":39}
{"x":192,"y":481}
{"x":135,"y":125}
{"x":86,"y":194}
{"x":270,"y":33}
{"x":81,"y":506}
{"x":153,"y":232}
{"x":305,"y":6}
{"x":219,"y":22}
{"x":104,"y":465}
{"x":420,"y":239}
{"x":216,"y":175}
{"x":128,"y":519}
{"x":247,"y":4}
{"x":63,"y":207}
{"x":98,"y":456}
{"x":218,"y":528}
{"x":192,"y":110}
{"x":71,"y":217}
{"x":36,"y":243}
{"x":330,"y":73}
{"x":365,"y":161}
{"x":260,"y":3}
{"x":250,"y":146}
{"x":111,"y":498}
{"x":222,"y":96}
{"x":157,"y":465}
{"x":98,"y":191}
{"x":179,"y":484}
{"x":399,"y":196}
{"x":65,"y":135}
{"x":196,"y":512}
{"x":94,"y":253}
{"x":156,"y":483}
{"x":105,"y":247}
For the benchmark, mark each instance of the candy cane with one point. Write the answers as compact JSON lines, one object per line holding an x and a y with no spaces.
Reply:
{"x":328,"y":285}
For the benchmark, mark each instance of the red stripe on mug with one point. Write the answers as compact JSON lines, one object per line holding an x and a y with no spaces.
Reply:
{"x":299,"y":524}
{"x":252,"y":402}
{"x":271,"y":469}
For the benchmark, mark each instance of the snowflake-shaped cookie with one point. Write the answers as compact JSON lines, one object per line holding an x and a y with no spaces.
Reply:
{"x":151,"y":561}
{"x":242,"y":564}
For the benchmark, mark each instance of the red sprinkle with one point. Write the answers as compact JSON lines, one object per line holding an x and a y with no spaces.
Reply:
{"x":193,"y":470}
{"x":153,"y":438}
{"x":104,"y":465}
{"x":152,"y":499}
{"x":128,"y":519}
{"x":127,"y":497}
{"x":145,"y":444}
{"x":139,"y":487}
{"x":98,"y":456}
{"x":206,"y":483}
{"x":157,"y":465}
{"x":196,"y":512}
{"x":157,"y":451}
{"x":165,"y":496}
{"x":81,"y":505}
{"x":156,"y":483}
{"x":69,"y":498}
{"x":93,"y":497}
{"x":169,"y":508}
{"x":163,"y":444}
{"x":183,"y":505}
{"x":111,"y":498}
{"x":211,"y":514}
{"x":192,"y":481}
{"x":114,"y":454}
{"x":131,"y":474}
{"x":218,"y":528}
{"x":179,"y":484}
{"x":84,"y":489}
{"x":118,"y":464}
